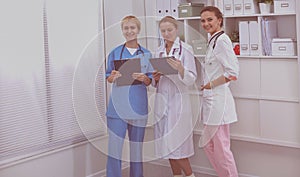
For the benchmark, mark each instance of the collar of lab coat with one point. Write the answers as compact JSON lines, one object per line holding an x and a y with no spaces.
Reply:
{"x":175,"y":47}
{"x":216,"y":33}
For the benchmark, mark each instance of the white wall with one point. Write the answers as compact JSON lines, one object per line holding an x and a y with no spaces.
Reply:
{"x":78,"y":161}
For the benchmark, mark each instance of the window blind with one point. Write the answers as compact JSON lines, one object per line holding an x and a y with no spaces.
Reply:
{"x":43,"y":103}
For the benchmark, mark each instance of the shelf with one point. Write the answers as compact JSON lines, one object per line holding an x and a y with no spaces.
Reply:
{"x":182,"y":18}
{"x":257,"y":140}
{"x":266,"y":98}
{"x":250,"y":97}
{"x":237,"y":16}
{"x":257,"y":15}
{"x":189,"y":18}
{"x":268,"y":57}
{"x":258,"y":57}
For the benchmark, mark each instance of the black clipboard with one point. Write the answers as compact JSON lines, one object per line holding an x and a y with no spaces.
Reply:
{"x":161,"y":65}
{"x":127,"y":67}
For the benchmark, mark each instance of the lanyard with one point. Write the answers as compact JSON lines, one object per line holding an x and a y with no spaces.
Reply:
{"x":137,"y":52}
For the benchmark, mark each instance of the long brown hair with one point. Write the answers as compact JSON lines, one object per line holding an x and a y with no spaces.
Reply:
{"x":215,"y":10}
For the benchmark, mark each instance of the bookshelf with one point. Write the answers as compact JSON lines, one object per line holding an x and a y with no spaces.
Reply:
{"x":267,"y":91}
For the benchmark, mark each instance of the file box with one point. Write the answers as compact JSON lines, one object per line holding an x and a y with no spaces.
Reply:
{"x":228,"y":7}
{"x":199,"y":47}
{"x":284,"y":6}
{"x":250,"y":7}
{"x":283,"y":47}
{"x":189,"y":9}
{"x":238,"y":7}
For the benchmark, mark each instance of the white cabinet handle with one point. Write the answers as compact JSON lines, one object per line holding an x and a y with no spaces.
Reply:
{"x":244,"y":47}
{"x":282,"y":48}
{"x":227,"y":7}
{"x":238,"y":6}
{"x":254,"y":46}
{"x":285,"y":5}
{"x":247,"y":6}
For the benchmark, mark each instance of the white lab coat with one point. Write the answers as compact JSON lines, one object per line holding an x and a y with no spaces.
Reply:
{"x":218,"y":105}
{"x":172,"y":109}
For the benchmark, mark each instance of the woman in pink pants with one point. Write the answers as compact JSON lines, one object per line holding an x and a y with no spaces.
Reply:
{"x":219,"y":67}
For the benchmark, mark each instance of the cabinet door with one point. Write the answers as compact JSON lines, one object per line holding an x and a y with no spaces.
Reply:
{"x":248,"y":118}
{"x":248,"y":83}
{"x":280,"y":121}
{"x":279,"y":79}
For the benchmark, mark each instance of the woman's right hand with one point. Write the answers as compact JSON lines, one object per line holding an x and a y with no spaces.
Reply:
{"x":156,"y":76}
{"x":113,"y":76}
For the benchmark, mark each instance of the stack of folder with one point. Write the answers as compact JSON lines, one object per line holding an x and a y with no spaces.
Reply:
{"x":268,"y":32}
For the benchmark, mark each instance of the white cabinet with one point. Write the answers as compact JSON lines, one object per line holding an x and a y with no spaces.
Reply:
{"x":267,"y":91}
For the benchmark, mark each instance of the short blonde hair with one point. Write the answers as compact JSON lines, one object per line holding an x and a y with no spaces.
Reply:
{"x":169,"y":19}
{"x":133,"y":19}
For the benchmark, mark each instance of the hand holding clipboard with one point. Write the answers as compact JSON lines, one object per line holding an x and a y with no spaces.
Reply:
{"x":175,"y":64}
{"x":165,"y":65}
{"x":127,"y":69}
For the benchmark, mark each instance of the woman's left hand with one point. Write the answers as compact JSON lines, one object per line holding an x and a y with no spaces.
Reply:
{"x":206,"y":86}
{"x":175,"y":63}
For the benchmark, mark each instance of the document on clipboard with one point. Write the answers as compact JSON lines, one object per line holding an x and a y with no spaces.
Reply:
{"x":127,"y":67}
{"x":161,"y":65}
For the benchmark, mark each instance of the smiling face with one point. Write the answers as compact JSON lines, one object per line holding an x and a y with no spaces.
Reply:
{"x":168,"y":31}
{"x":130,"y":30}
{"x":210,"y":22}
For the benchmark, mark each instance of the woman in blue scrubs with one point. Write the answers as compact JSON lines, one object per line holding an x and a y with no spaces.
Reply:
{"x":128,"y":104}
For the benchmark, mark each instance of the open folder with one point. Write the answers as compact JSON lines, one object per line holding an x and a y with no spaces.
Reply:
{"x":161,"y":65}
{"x":127,"y":67}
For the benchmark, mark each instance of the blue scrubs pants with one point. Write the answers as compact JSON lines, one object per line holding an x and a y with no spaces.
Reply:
{"x":117,"y":131}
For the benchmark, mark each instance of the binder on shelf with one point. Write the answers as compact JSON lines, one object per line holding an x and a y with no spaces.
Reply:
{"x":167,"y":7}
{"x":244,"y":37}
{"x":174,"y":8}
{"x":219,"y":4}
{"x":160,"y":8}
{"x":268,"y":32}
{"x":250,"y":7}
{"x":255,"y":48}
{"x":228,"y":7}
{"x":238,"y":7}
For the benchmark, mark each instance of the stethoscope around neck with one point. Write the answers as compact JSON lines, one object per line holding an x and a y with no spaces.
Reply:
{"x":174,"y":50}
{"x":137,"y":52}
{"x":214,"y":37}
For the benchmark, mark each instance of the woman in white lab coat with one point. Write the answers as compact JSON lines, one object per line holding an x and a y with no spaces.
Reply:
{"x":219,"y":67}
{"x":174,"y":127}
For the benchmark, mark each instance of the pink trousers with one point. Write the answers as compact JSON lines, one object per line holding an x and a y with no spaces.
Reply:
{"x":219,"y":154}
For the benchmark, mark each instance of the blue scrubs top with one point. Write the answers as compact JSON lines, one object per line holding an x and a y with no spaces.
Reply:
{"x":129,"y":102}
